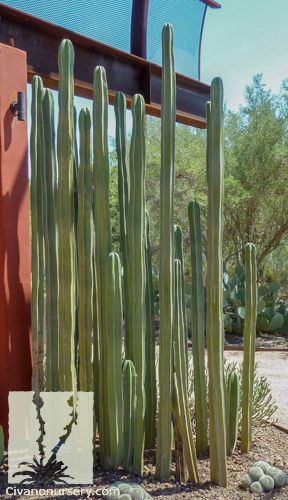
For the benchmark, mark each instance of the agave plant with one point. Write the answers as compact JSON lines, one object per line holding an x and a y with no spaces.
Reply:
{"x":51,"y":472}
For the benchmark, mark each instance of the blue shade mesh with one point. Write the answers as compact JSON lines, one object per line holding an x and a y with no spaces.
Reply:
{"x":186,"y":17}
{"x":109,"y":21}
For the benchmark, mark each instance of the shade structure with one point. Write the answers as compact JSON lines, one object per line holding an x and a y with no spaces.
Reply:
{"x":131,"y":25}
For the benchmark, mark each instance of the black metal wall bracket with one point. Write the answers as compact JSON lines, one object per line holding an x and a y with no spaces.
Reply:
{"x":18,"y":107}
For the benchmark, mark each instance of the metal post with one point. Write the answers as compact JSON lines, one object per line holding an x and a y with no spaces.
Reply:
{"x":15,"y":276}
{"x":139,"y":28}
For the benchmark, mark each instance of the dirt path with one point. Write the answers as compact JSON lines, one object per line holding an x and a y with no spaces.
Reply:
{"x":274,"y":365}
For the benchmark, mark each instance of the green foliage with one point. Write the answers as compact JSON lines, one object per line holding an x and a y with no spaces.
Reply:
{"x":256,"y":149}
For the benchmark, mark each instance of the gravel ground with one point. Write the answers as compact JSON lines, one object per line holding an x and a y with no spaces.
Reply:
{"x":274,"y":365}
{"x":270,"y":445}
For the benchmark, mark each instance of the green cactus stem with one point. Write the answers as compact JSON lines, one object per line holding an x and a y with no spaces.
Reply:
{"x":214,"y":328}
{"x":49,"y":195}
{"x":166,"y":255}
{"x":249,"y":338}
{"x":180,"y":346}
{"x":232,"y":411}
{"x":150,"y":372}
{"x":178,"y":239}
{"x":123,"y":196}
{"x":114,"y":311}
{"x":66,"y":219}
{"x":129,"y":404}
{"x":137,"y":272}
{"x":37,"y":244}
{"x":102,"y":225}
{"x":198,"y":327}
{"x":85,"y":246}
{"x":181,"y":469}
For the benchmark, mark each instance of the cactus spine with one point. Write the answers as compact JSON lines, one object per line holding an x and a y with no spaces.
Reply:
{"x":136,"y":234}
{"x":166,"y":255}
{"x":232,"y":411}
{"x":214,"y":329}
{"x":249,"y":345}
{"x":129,"y":404}
{"x":198,"y":327}
{"x":65,"y":217}
{"x":50,"y":242}
{"x":102,"y":225}
{"x":180,"y":341}
{"x":150,"y":373}
{"x":85,"y":246}
{"x":37,"y":312}
{"x":114,"y":313}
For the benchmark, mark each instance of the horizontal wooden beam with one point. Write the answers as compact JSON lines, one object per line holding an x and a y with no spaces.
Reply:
{"x":125,"y":72}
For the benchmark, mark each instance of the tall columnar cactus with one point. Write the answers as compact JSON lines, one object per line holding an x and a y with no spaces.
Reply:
{"x":137,"y":274}
{"x":66,"y":219}
{"x":232,"y":411}
{"x":49,"y":178}
{"x":102,"y":246}
{"x":166,"y":255}
{"x":150,"y":372}
{"x":249,"y":345}
{"x":129,"y":404}
{"x":114,"y":312}
{"x":180,"y":341}
{"x":37,"y":244}
{"x":178,"y":238}
{"x":85,"y":246}
{"x":198,"y":327}
{"x":214,"y":328}
{"x":123,"y":196}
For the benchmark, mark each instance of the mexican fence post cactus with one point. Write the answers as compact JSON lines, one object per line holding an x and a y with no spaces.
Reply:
{"x":49,"y":178}
{"x":198,"y":328}
{"x":232,"y":411}
{"x":102,"y":226}
{"x":137,"y":271}
{"x":249,"y":345}
{"x":150,"y":372}
{"x":214,"y":328}
{"x":37,"y":245}
{"x":85,"y":246}
{"x":180,"y":341}
{"x":123,"y":196}
{"x":178,"y":240}
{"x":66,"y":219}
{"x":114,"y":313}
{"x":129,"y":403}
{"x":166,"y":255}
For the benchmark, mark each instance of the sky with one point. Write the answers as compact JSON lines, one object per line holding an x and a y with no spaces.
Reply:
{"x":243,"y":38}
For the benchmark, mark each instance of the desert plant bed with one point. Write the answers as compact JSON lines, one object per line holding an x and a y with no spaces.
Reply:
{"x":269,"y":444}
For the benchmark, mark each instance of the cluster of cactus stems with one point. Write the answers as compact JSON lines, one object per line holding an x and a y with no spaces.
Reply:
{"x":93,"y":310}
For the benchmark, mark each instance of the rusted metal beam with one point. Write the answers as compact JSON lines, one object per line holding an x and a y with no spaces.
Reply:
{"x":125,"y":72}
{"x":212,"y":3}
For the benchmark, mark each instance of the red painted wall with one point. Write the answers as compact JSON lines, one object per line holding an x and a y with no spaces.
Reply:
{"x":15,"y":341}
